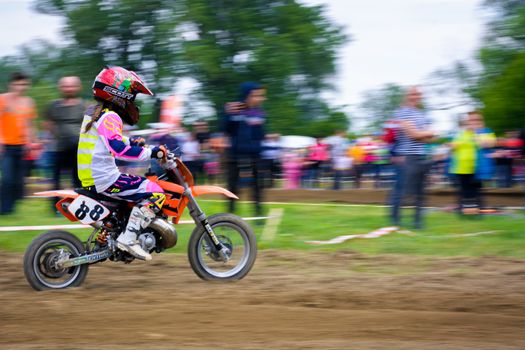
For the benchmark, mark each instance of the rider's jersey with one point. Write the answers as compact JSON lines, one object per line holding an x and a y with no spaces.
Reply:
{"x":98,"y":148}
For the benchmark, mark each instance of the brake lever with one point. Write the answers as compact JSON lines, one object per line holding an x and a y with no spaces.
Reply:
{"x":170,"y":162}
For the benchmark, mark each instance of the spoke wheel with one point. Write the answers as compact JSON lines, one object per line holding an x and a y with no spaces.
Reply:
{"x":41,"y":266}
{"x":235,"y":235}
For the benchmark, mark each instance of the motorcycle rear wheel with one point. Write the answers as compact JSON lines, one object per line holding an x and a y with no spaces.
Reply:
{"x":234,"y":233}
{"x":39,"y":269}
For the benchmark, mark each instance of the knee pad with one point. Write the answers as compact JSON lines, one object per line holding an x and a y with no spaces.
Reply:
{"x":155,"y":201}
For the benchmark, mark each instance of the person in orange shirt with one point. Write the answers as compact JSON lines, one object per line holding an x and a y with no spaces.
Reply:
{"x":357,"y":153}
{"x":17,"y":113}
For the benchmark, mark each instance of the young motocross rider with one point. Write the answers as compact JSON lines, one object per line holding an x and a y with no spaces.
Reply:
{"x":101,"y":141}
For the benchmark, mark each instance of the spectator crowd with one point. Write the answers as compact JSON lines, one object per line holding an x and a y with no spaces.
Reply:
{"x":242,"y":154}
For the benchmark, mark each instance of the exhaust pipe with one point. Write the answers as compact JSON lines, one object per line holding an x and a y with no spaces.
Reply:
{"x":166,"y":231}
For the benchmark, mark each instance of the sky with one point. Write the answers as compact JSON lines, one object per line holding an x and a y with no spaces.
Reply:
{"x":392,"y":41}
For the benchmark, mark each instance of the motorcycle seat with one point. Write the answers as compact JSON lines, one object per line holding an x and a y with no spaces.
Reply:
{"x":97,"y":196}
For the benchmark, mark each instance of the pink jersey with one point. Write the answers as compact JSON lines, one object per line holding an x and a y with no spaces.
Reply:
{"x":100,"y":146}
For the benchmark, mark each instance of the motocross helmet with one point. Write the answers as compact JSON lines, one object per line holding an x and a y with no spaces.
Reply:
{"x":119,"y":87}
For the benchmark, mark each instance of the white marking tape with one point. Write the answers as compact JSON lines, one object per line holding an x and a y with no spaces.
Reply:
{"x":78,"y":226}
{"x":387,"y":230}
{"x":374,"y":234}
{"x":464,"y":234}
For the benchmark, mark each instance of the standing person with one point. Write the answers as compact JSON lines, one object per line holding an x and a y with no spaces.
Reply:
{"x":485,"y":143}
{"x":379,"y":162}
{"x":338,"y":143}
{"x":522,"y":139}
{"x":17,"y":113}
{"x":63,"y":119}
{"x":202,"y":132}
{"x":292,"y":165}
{"x":244,"y":125}
{"x":191,"y":153}
{"x":357,"y":154}
{"x":341,"y":166}
{"x":411,"y":156}
{"x":317,"y":156}
{"x":463,"y":166}
{"x":341,"y":162}
{"x":509,"y":149}
{"x":271,"y":159}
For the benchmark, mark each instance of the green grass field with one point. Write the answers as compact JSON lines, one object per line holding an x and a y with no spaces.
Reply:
{"x":300,"y":223}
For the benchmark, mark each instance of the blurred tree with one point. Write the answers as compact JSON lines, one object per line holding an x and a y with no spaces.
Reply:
{"x":39,"y":59}
{"x":138,"y":35}
{"x":289,"y":47}
{"x":285,"y":45}
{"x":502,"y":82}
{"x":504,"y":97}
{"x":335,"y":119}
{"x":452,"y":87}
{"x":380,"y":104}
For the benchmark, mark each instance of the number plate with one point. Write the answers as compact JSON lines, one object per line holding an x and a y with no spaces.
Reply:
{"x":87,"y":210}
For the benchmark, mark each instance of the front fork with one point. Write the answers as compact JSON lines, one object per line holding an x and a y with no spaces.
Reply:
{"x":200,"y":218}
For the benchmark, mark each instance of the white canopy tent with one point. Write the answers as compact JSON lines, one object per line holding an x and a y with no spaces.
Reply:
{"x":295,"y":141}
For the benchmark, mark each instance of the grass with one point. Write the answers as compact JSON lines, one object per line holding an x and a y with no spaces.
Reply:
{"x":304,"y":222}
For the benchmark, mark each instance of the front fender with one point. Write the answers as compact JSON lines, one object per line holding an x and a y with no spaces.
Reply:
{"x":202,"y":190}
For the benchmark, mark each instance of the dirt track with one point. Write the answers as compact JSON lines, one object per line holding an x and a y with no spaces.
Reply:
{"x":290,"y":301}
{"x":435,"y":197}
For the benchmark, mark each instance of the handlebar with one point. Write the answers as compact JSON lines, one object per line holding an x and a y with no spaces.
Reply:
{"x":176,"y":153}
{"x":170,"y":160}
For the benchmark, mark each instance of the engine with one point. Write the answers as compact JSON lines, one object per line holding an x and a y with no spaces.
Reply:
{"x":147,"y":241}
{"x":159,"y":235}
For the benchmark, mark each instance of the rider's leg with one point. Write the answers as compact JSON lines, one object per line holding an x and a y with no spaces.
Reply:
{"x":139,"y":219}
{"x":149,"y":197}
{"x":141,"y":216}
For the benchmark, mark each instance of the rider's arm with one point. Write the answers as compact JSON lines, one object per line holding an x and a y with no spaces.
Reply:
{"x":110,"y":130}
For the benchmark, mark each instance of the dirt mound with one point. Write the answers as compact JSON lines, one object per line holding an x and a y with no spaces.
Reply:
{"x":290,"y":300}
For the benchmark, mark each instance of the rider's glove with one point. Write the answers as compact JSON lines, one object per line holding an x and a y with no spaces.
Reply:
{"x":159,"y":152}
{"x":137,"y":141}
{"x":176,"y":153}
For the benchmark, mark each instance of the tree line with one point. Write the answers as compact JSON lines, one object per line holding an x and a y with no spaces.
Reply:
{"x":497,"y":87}
{"x":289,"y":47}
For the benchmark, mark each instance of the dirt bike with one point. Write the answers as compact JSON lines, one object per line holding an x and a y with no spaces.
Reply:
{"x":221,"y":247}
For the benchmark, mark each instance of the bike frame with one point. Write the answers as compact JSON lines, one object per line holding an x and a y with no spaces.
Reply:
{"x":188,"y":193}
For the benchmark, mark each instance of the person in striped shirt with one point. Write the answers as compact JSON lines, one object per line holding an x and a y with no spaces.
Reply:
{"x":411,"y":156}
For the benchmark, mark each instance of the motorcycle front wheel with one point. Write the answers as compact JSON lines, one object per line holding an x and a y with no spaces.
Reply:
{"x":236,"y":235}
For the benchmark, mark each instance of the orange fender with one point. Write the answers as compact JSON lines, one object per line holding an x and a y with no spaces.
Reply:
{"x":58,"y":193}
{"x":202,"y":190}
{"x":67,"y":197}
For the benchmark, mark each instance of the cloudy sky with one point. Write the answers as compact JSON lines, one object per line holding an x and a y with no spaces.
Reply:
{"x":399,"y":41}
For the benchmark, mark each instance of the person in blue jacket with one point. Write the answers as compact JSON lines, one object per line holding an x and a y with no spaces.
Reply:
{"x":244,"y":124}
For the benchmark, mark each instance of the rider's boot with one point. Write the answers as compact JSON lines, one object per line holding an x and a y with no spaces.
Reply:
{"x":139,"y":219}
